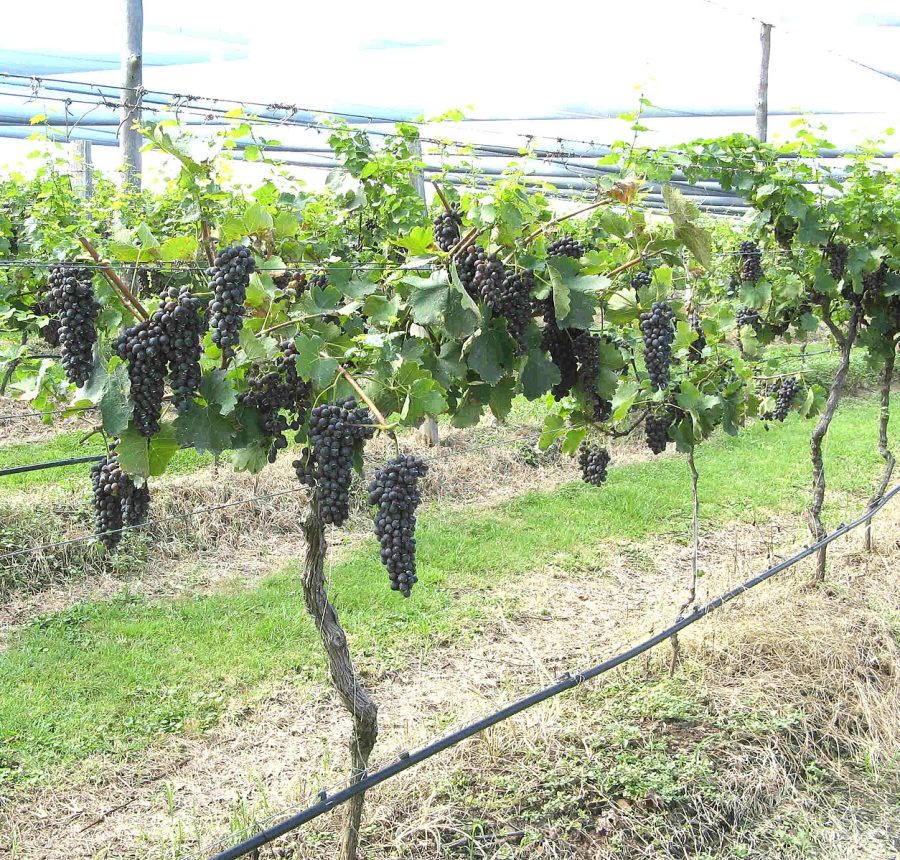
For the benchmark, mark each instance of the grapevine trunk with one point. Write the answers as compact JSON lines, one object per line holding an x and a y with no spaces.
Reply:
{"x":354,"y":696}
{"x":887,"y":376}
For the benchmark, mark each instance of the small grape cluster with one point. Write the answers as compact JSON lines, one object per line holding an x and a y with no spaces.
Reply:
{"x":734,"y":285}
{"x":558,"y":343}
{"x":277,"y":391}
{"x":142,"y":345}
{"x":639,"y":281}
{"x":594,"y":461}
{"x":229,"y":277}
{"x":658,"y":327}
{"x":293,"y":283}
{"x":836,"y":253}
{"x":511,"y":298}
{"x":656,"y":431}
{"x":181,"y":321}
{"x":587,"y":353}
{"x":785,"y":229}
{"x":71,"y":296}
{"x":50,"y":330}
{"x":150,"y":280}
{"x":446,"y":228}
{"x":695,"y":350}
{"x":336,"y":432}
{"x":750,"y":317}
{"x":751,"y":262}
{"x":785,"y":392}
{"x":116,"y":500}
{"x":395,"y":490}
{"x":566,"y":246}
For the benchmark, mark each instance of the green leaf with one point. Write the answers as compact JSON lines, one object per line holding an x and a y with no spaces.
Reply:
{"x":489,"y":353}
{"x":428,"y":300}
{"x":573,"y":439}
{"x":358,"y":287}
{"x":380,"y":310}
{"x":697,"y":240}
{"x":134,"y":452}
{"x":178,"y":248}
{"x":232,"y":229}
{"x":216,"y":388}
{"x":561,"y":303}
{"x":622,"y":307}
{"x":418,"y":241}
{"x":684,"y":336}
{"x":285,"y":225}
{"x":257,"y":219}
{"x":203,"y":428}
{"x":163,"y":447}
{"x":624,"y":398}
{"x":539,"y":375}
{"x":253,"y":458}
{"x":256,"y":348}
{"x":502,"y":396}
{"x":755,"y":295}
{"x":110,"y":391}
{"x":554,"y":427}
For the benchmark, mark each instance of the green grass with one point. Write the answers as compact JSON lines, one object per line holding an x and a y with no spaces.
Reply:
{"x":68,"y":445}
{"x":111,"y":676}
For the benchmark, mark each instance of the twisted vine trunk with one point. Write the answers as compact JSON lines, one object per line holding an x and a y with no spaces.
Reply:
{"x":363,"y":711}
{"x":816,"y":527}
{"x":695,"y":556}
{"x":887,"y":376}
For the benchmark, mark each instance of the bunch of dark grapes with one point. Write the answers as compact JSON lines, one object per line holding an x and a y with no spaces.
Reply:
{"x":836,"y":253}
{"x":658,"y":327}
{"x":751,"y":262}
{"x":558,"y":343}
{"x":112,"y":492}
{"x":785,"y":230}
{"x":639,"y":281}
{"x":137,"y":506}
{"x":785,"y":392}
{"x":229,"y":277}
{"x":873,"y":285}
{"x":336,"y":432}
{"x":145,"y":346}
{"x":734,"y":284}
{"x":511,"y":298}
{"x":72,"y":297}
{"x":695,"y":350}
{"x":656,"y":431}
{"x":277,"y":391}
{"x":293,"y":283}
{"x":395,"y":490}
{"x":587,"y":352}
{"x":319,"y":280}
{"x":750,"y":317}
{"x":50,"y":331}
{"x":446,"y":228}
{"x":181,"y":322}
{"x":593,"y":461}
{"x":150,"y":281}
{"x":566,"y":246}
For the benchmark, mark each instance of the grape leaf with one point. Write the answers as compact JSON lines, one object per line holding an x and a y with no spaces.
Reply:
{"x":163,"y":447}
{"x":134,"y":452}
{"x":253,"y":458}
{"x":216,"y":388}
{"x":203,"y":428}
{"x":539,"y":375}
{"x":489,"y":352}
{"x":428,"y":299}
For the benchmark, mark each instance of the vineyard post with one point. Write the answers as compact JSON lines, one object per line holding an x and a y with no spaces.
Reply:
{"x":82,"y":168}
{"x":354,"y":696}
{"x":887,"y":376}
{"x":816,"y":528}
{"x":762,"y":94}
{"x":132,"y":72}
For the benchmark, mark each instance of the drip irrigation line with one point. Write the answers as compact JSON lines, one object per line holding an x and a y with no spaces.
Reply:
{"x":154,"y":521}
{"x":567,"y":682}
{"x":24,"y":415}
{"x":166,"y":268}
{"x":54,"y":464}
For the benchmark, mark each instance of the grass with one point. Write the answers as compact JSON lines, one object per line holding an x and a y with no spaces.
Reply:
{"x":68,"y":445}
{"x":110,"y":677}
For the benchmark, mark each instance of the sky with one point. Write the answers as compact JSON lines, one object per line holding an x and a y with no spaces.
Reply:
{"x":552,"y":73}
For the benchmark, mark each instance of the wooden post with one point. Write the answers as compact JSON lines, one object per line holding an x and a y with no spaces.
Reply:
{"x":82,"y":169}
{"x":762,"y":95}
{"x":419,"y":177}
{"x":132,"y":73}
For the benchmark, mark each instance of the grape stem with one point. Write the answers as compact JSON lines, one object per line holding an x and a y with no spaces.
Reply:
{"x":595,"y":205}
{"x":440,"y":194}
{"x":118,"y":285}
{"x":207,"y":241}
{"x":383,"y":425}
{"x":469,"y":237}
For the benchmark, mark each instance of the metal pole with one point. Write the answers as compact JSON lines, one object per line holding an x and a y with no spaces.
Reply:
{"x":132,"y":73}
{"x":82,"y":168}
{"x":762,"y":95}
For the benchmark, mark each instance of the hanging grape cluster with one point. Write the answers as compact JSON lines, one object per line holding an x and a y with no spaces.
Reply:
{"x":50,"y":330}
{"x":337,"y":432}
{"x":558,"y":343}
{"x":511,"y":298}
{"x":116,"y":500}
{"x":750,"y":317}
{"x":586,"y":347}
{"x":141,"y":345}
{"x":836,"y":253}
{"x":71,"y":296}
{"x":750,"y":262}
{"x":566,"y":246}
{"x":785,"y":392}
{"x":658,"y":328}
{"x":639,"y":281}
{"x":151,"y":281}
{"x":695,"y":350}
{"x":181,"y":321}
{"x":446,"y":228}
{"x":785,"y":229}
{"x":594,"y":461}
{"x":229,"y":277}
{"x":293,"y":283}
{"x":395,"y":490}
{"x":275,"y":392}
{"x":656,"y":431}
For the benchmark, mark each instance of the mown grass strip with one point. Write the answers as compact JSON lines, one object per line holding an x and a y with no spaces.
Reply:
{"x":111,"y":676}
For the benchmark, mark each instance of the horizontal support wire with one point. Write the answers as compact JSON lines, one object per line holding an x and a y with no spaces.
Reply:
{"x":567,"y":682}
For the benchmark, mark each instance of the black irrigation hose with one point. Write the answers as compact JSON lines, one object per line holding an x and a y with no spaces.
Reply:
{"x":568,"y":682}
{"x":55,"y":464}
